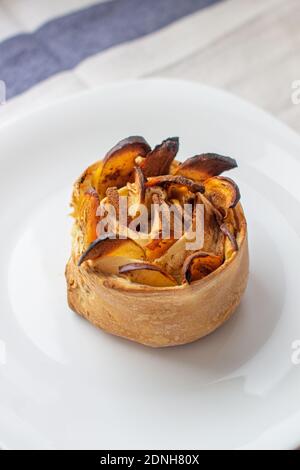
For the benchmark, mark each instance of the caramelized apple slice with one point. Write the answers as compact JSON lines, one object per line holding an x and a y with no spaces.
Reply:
{"x":157,"y":247}
{"x":119,"y":162}
{"x":87,"y":215}
{"x":89,"y":176}
{"x":147,"y":274}
{"x":158,"y":161}
{"x":202,"y":167}
{"x":198,"y":265}
{"x":167,"y":180}
{"x":222,"y":192}
{"x":108,"y":245}
{"x":87,"y":180}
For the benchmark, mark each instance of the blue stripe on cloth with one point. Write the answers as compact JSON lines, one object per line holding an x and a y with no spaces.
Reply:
{"x":64,"y":42}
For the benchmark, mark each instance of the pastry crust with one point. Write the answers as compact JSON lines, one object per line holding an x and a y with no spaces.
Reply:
{"x":157,"y":292}
{"x":159,"y":316}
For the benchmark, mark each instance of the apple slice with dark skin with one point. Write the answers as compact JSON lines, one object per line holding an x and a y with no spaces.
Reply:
{"x":158,"y":161}
{"x":147,"y":274}
{"x":119,"y":163}
{"x":199,"y":265}
{"x":202,"y":167}
{"x":111,"y":264}
{"x":109,"y":245}
{"x":167,"y":180}
{"x":222,"y":192}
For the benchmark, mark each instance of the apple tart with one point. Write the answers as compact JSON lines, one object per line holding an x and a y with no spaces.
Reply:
{"x":159,"y":248}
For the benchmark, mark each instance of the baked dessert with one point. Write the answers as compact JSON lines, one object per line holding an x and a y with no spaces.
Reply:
{"x":133,"y":278}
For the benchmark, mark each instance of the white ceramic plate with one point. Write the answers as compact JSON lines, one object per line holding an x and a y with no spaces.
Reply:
{"x":65,"y":384}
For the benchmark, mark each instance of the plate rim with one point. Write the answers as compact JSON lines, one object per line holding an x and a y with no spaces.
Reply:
{"x":267,"y":116}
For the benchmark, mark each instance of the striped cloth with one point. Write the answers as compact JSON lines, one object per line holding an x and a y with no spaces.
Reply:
{"x":49,"y":50}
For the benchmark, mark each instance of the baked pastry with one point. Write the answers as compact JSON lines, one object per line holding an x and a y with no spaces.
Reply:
{"x":138,"y":283}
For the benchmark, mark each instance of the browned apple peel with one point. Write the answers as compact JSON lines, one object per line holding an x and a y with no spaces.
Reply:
{"x":204,"y":166}
{"x":222,"y":192}
{"x":199,"y":265}
{"x":109,"y":245}
{"x":167,"y":180}
{"x":147,"y":274}
{"x":158,"y":161}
